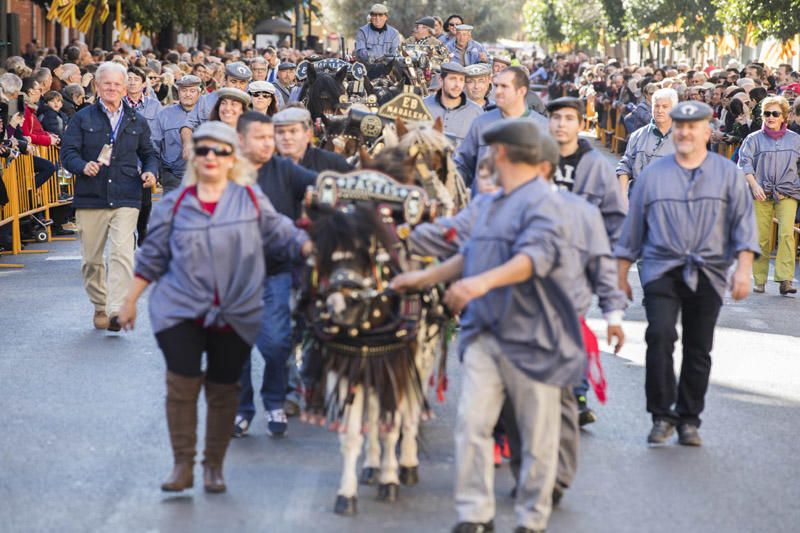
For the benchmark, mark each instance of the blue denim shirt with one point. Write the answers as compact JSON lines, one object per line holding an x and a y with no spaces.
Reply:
{"x":372,"y":44}
{"x":468,"y":56}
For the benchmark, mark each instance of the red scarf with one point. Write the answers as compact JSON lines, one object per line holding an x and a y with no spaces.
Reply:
{"x":598,"y":381}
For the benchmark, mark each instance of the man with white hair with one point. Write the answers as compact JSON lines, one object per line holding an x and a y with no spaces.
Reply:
{"x":648,"y":142}
{"x":104,"y":147}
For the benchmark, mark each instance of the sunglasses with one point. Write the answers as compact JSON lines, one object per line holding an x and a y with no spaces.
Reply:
{"x":453,"y":24}
{"x":377,"y":14}
{"x":261,"y":95}
{"x":203,"y":151}
{"x":153,"y":78}
{"x":775,"y":114}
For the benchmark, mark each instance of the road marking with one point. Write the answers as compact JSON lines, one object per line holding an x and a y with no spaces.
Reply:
{"x":63,"y":258}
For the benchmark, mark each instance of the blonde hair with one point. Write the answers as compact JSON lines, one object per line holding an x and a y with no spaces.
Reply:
{"x":780,"y":101}
{"x":241,"y":173}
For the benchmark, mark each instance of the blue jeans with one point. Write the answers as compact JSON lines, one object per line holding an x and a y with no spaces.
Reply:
{"x":275,"y":344}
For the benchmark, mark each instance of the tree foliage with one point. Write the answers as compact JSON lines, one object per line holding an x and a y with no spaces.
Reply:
{"x":769,"y":18}
{"x":553,"y":22}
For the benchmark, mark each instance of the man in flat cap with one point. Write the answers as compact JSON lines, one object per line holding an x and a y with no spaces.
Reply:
{"x":423,"y":31}
{"x":588,"y":174}
{"x":451,"y":104}
{"x":478,"y":85}
{"x":376,"y":39}
{"x":648,"y":143}
{"x":499,"y":62}
{"x":284,"y":183}
{"x":237,"y":76}
{"x":511,"y":88}
{"x":691,"y":215}
{"x":529,"y":349}
{"x":464,"y":50}
{"x":293,"y":134}
{"x":287,"y":75}
{"x":166,"y":132}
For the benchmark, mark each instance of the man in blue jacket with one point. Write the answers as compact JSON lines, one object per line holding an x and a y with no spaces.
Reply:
{"x":103,"y":147}
{"x":376,"y":39}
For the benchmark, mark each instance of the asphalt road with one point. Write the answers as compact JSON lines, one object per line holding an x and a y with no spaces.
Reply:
{"x":83,"y":441}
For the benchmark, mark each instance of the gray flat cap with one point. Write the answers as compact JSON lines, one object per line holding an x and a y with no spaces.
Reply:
{"x":238,"y":71}
{"x":690,"y":111}
{"x":477,"y":70}
{"x":261,"y":87}
{"x":501,"y":59}
{"x":518,"y":132}
{"x":189,"y":80}
{"x":216,"y":131}
{"x":426,"y":21}
{"x":464,"y":27}
{"x":566,"y":101}
{"x":234,"y":94}
{"x":287,"y":65}
{"x":453,"y":67}
{"x":379,"y":9}
{"x":291,"y":115}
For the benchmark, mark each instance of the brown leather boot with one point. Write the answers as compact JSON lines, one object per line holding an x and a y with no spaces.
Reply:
{"x":182,"y":393}
{"x":222,"y":400}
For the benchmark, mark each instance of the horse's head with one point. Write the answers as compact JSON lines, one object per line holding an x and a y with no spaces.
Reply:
{"x":323,"y":91}
{"x":353,"y":266}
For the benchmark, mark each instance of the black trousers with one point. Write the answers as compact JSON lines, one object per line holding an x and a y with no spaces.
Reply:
{"x":183,"y":346}
{"x":664,"y":299}
{"x":144,"y":216}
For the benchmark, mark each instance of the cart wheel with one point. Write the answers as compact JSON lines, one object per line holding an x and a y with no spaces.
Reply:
{"x":41,"y":236}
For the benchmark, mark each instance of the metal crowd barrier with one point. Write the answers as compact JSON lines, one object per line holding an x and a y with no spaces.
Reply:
{"x":26,"y":200}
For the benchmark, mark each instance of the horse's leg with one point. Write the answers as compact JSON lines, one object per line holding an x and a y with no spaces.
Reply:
{"x":389,"y":480}
{"x":372,"y":460}
{"x":350,"y":441}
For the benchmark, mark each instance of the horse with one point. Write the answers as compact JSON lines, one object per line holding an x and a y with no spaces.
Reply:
{"x":422,"y":156}
{"x":322,"y":92}
{"x":363,"y":336}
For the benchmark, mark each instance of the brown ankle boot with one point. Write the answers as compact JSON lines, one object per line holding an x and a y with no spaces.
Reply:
{"x":222,"y":400}
{"x":182,"y":393}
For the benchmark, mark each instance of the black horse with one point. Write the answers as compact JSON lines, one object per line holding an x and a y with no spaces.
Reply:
{"x":321,"y":93}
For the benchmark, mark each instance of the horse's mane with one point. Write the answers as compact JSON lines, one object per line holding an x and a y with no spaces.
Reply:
{"x":424,"y":136}
{"x":335,"y":230}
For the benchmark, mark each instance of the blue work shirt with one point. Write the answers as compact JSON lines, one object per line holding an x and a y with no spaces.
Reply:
{"x":535,"y":321}
{"x":373,"y":44}
{"x":695,"y":219}
{"x":773,"y":162}
{"x":470,"y":55}
{"x":202,"y":110}
{"x":166,"y":137}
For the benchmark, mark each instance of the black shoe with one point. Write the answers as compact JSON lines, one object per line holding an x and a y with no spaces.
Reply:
{"x":688,"y":435}
{"x":474,"y":527}
{"x":63,"y":232}
{"x":585,"y":415}
{"x":558,"y":493}
{"x":522,"y":529}
{"x":662,"y":430}
{"x":409,"y":475}
{"x":113,"y":324}
{"x":345,"y":506}
{"x":369,"y":475}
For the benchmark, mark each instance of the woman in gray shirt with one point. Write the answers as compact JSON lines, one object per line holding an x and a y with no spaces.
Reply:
{"x":205,"y":256}
{"x":768,"y":157}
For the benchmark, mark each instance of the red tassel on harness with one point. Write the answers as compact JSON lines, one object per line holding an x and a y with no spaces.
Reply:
{"x":450,"y":235}
{"x":598,"y":381}
{"x":441,"y":387}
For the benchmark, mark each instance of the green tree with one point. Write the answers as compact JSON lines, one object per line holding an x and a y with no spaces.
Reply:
{"x":770,"y":18}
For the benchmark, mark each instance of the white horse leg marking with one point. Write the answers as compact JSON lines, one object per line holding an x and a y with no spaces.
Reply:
{"x":350,"y":440}
{"x":373,"y":446}
{"x":389,"y":458}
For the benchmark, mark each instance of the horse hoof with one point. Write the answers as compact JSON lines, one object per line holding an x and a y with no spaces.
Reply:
{"x":369,"y":475}
{"x":345,"y":506}
{"x":387,"y":492}
{"x":409,"y":475}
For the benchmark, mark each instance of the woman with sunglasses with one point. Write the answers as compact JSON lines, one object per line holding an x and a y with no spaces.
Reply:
{"x":205,"y":255}
{"x":231,"y":104}
{"x":450,"y":28}
{"x":768,"y":158}
{"x":262,"y":94}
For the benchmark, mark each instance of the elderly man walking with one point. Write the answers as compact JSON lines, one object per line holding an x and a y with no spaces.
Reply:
{"x":648,"y":142}
{"x":691,"y":214}
{"x":103,"y":147}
